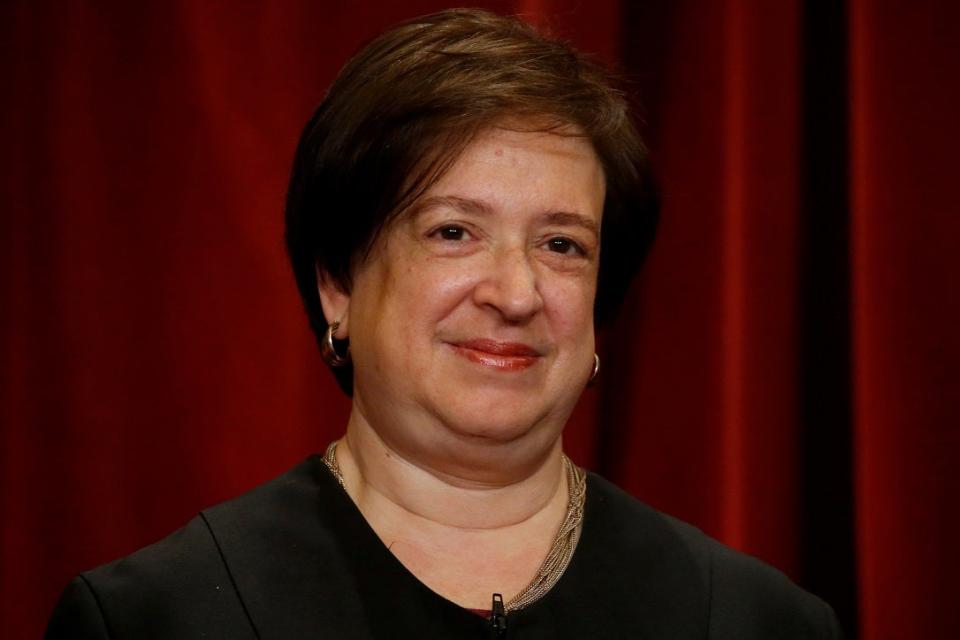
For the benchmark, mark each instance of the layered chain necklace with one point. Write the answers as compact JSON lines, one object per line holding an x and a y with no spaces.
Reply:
{"x":561,"y":551}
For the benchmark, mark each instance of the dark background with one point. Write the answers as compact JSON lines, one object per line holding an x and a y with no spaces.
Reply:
{"x":785,"y":373}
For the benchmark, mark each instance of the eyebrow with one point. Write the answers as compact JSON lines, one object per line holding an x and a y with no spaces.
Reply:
{"x":466,"y":205}
{"x":567,"y":218}
{"x":478,"y":207}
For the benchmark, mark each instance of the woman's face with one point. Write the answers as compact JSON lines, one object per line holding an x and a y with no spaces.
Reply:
{"x":472,"y":321}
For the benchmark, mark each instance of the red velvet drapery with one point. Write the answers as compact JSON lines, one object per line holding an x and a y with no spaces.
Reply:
{"x":785,"y":373}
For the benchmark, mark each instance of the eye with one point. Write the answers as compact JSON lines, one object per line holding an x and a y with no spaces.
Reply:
{"x":450,"y":232}
{"x":565,"y":246}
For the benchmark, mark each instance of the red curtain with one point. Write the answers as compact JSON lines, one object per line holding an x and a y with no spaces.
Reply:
{"x":784,"y":375}
{"x":906,"y":313}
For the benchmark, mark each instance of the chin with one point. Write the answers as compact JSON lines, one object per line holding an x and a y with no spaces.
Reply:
{"x":500,"y":406}
{"x":495,"y":418}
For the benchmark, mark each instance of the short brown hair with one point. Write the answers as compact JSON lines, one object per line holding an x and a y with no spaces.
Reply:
{"x":404,"y":108}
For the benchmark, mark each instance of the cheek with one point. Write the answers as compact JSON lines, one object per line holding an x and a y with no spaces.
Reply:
{"x":569,"y":306}
{"x":418,"y":294}
{"x":444,"y":282}
{"x":437,"y":287}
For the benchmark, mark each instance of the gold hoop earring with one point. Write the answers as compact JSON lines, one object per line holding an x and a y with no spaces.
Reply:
{"x":596,"y":370}
{"x":329,"y":352}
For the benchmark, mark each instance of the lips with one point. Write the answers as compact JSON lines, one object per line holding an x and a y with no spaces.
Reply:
{"x":504,"y":356}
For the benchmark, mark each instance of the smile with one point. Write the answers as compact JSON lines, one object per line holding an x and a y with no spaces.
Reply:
{"x":503,"y":356}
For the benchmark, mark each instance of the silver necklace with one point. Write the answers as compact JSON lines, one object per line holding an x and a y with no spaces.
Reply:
{"x":564,"y":544}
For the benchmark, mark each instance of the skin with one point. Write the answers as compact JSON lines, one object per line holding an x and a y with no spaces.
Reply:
{"x":471,"y":332}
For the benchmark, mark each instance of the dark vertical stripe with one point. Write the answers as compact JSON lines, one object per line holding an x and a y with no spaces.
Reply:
{"x":828,"y":543}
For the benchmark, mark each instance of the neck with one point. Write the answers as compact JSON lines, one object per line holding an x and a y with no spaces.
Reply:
{"x":387,"y":484}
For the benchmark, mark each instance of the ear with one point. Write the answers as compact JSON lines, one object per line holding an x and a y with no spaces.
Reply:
{"x":335,"y":302}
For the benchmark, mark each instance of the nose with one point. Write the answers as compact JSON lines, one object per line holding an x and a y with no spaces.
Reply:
{"x":510,"y":286}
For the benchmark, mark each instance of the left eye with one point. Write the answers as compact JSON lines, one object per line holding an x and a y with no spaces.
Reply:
{"x":563,"y":245}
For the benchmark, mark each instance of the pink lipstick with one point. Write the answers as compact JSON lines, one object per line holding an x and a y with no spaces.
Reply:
{"x":505,"y":356}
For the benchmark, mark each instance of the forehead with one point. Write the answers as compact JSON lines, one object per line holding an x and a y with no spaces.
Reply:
{"x":510,"y":166}
{"x":521,"y":146}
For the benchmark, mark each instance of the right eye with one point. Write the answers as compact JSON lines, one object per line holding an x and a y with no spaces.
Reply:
{"x":450,"y":232}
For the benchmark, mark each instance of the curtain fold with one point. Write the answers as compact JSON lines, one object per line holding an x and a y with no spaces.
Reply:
{"x":906,"y":311}
{"x":784,"y":374}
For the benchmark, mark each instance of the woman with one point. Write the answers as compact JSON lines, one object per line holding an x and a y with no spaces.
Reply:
{"x":467,"y":200}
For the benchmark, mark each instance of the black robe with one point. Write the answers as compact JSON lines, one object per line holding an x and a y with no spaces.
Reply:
{"x":294,"y":558}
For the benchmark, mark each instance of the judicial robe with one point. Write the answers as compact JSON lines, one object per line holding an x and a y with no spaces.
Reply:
{"x":294,"y":558}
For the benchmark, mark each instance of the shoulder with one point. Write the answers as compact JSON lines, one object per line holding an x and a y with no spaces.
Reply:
{"x":136,"y":596}
{"x":738,"y":595}
{"x":182,"y":585}
{"x":749,"y":598}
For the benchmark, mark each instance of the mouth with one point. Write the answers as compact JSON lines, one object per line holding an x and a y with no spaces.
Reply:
{"x":502,"y":356}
